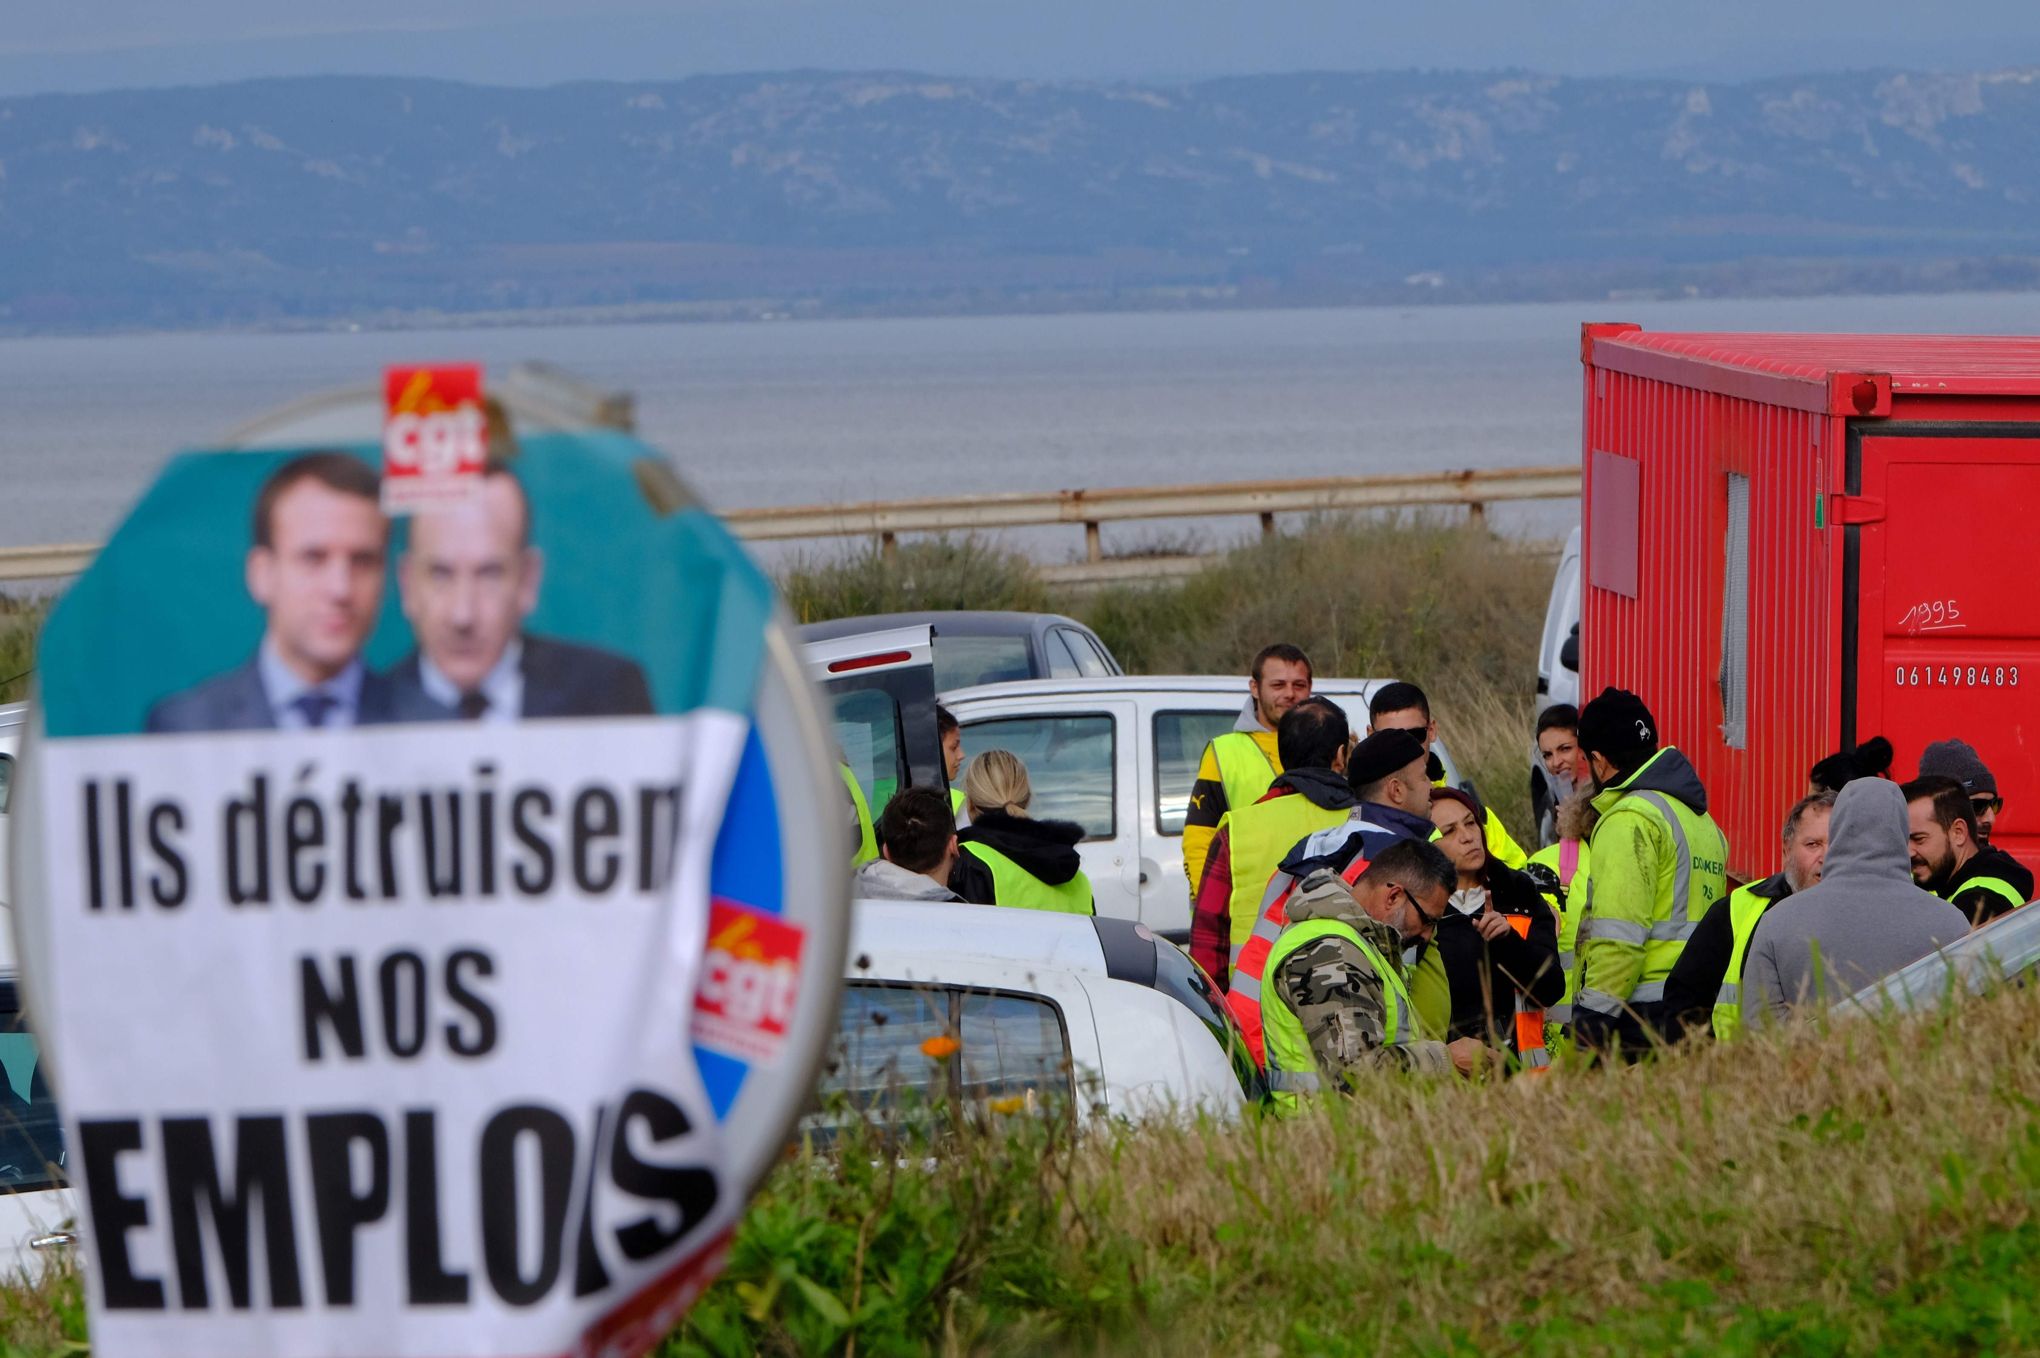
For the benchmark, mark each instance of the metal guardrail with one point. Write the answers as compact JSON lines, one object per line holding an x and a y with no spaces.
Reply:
{"x":887,"y":519}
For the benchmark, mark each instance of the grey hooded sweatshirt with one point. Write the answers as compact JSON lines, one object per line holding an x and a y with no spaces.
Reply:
{"x":1865,"y":914}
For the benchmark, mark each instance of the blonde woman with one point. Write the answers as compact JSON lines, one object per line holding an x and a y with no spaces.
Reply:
{"x":1009,"y":859}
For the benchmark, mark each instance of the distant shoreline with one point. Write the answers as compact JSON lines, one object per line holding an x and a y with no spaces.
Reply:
{"x":768,"y":311}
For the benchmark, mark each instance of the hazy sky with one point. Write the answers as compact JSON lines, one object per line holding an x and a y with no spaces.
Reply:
{"x":98,"y":44}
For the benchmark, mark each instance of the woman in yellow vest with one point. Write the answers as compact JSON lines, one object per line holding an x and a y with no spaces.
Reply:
{"x":1009,"y":859}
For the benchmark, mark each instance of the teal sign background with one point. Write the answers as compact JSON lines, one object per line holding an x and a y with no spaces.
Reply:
{"x":165,"y":606}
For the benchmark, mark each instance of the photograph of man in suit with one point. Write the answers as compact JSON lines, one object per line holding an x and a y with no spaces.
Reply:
{"x":315,"y":564}
{"x":468,"y":579}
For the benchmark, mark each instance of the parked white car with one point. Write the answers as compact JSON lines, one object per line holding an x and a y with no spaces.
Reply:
{"x":36,"y":1208}
{"x":2007,"y":950}
{"x":1040,"y":1007}
{"x":1118,"y":757}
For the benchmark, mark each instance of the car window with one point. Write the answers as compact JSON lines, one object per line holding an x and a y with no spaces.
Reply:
{"x":1090,"y":662}
{"x":1013,"y":1048}
{"x":1069,"y":763}
{"x":961,"y":662}
{"x":1184,"y":982}
{"x":1062,"y":662}
{"x":1179,"y":739}
{"x":868,"y":730}
{"x":31,"y":1136}
{"x":900,"y":1049}
{"x":6,"y":781}
{"x":879,"y":1058}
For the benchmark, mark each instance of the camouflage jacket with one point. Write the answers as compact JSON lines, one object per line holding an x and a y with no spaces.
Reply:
{"x":1334,"y":991}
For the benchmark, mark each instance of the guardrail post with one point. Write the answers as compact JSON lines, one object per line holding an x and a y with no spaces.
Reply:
{"x":1476,"y":514}
{"x":1093,"y":549}
{"x":889,"y":547}
{"x":1268,"y":525}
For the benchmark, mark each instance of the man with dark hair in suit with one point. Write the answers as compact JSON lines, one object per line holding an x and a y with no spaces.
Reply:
{"x":468,"y":579}
{"x":315,"y":564}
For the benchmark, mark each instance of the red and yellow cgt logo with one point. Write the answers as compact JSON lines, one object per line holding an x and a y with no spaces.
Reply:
{"x":435,"y":435}
{"x":750,"y":981}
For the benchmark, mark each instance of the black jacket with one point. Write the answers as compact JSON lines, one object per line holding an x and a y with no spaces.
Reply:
{"x":1981,"y":903}
{"x":1045,"y":848}
{"x":1695,"y":982}
{"x":1485,"y":976}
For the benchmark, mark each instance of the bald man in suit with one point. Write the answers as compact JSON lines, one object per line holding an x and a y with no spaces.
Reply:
{"x":468,"y":579}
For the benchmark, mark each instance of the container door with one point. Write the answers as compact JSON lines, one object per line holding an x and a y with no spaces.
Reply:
{"x":1946,"y":619}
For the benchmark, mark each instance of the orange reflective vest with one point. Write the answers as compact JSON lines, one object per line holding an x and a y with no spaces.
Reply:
{"x":1250,"y":960}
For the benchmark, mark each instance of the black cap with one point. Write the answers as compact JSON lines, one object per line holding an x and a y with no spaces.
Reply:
{"x":1619,"y":728}
{"x":1381,"y":754}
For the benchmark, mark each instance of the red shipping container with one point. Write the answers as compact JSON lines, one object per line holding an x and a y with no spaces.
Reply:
{"x":1795,"y":542}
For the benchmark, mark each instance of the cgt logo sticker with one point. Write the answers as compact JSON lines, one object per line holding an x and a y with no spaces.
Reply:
{"x":435,"y":437}
{"x":750,"y":979}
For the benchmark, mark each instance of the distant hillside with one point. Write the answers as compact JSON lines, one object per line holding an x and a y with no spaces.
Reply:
{"x":277,"y":201}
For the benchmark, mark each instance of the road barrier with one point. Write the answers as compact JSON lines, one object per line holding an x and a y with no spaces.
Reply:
{"x":886,"y":520}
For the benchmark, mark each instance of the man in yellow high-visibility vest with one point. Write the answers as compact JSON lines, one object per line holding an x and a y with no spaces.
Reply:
{"x":1241,"y":765}
{"x":1660,"y":864}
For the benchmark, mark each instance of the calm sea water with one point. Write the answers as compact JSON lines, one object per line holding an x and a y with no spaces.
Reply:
{"x":833,"y":410}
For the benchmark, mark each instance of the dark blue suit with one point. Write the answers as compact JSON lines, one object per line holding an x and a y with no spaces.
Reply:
{"x":561,"y":679}
{"x":236,"y":701}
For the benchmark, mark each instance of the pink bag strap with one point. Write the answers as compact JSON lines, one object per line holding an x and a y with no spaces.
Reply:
{"x":1568,"y":861}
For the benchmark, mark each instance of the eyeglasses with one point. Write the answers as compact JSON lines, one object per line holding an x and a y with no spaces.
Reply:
{"x":1989,"y":805}
{"x":1430,"y":920}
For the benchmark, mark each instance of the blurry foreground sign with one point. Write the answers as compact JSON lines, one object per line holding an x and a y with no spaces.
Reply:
{"x":434,"y":925}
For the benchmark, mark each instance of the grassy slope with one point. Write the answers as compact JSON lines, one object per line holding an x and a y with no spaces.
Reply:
{"x":1868,"y":1188}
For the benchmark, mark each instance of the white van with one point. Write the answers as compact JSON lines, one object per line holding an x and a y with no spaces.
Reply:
{"x":1557,"y":681}
{"x":37,"y":1210}
{"x":1118,"y":756}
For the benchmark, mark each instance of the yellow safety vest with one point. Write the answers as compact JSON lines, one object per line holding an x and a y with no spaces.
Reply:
{"x":1697,"y":871}
{"x":1259,"y":837}
{"x":1017,"y":888}
{"x":1245,"y":770}
{"x":1745,"y":909}
{"x":1570,"y":899}
{"x":1292,"y":1069}
{"x":867,"y":838}
{"x":956,"y":801}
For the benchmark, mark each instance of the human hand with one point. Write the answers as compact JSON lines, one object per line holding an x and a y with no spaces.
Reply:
{"x":1492,"y":924}
{"x":1470,"y":1055}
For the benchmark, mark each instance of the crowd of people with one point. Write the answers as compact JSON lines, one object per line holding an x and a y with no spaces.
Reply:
{"x":1359,"y":914}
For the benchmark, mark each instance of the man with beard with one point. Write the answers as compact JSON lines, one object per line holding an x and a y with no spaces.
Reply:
{"x":1950,"y":858}
{"x":1240,"y":766}
{"x":1705,"y":987}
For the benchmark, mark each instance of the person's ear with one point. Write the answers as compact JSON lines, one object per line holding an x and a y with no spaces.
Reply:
{"x":259,"y":572}
{"x":534,"y":572}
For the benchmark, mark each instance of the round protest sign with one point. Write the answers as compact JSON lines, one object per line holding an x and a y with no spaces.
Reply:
{"x":433,"y":910}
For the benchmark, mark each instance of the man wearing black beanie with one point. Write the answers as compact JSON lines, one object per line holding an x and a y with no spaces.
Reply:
{"x":1659,"y":864}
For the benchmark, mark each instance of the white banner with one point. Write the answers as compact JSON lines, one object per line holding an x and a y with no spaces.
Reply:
{"x":422,"y":1082}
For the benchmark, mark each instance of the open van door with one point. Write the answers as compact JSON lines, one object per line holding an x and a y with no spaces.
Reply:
{"x":881,"y":686}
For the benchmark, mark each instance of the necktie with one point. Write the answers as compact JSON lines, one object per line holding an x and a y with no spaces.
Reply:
{"x":473,"y":704}
{"x":316,"y":706}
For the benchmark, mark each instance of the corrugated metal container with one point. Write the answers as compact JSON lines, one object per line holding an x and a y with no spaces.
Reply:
{"x":1794,"y":542}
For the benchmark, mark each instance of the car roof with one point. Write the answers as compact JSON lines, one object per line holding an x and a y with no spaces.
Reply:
{"x":1232,"y":686}
{"x":965,"y":622}
{"x":918,"y":937}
